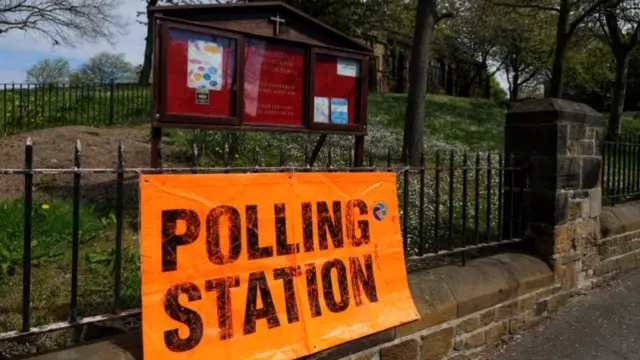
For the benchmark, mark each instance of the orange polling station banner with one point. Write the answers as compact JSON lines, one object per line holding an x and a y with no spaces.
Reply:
{"x":269,"y":266}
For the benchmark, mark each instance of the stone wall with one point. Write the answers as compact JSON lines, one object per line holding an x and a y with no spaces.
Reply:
{"x":465,"y":308}
{"x":619,"y":248}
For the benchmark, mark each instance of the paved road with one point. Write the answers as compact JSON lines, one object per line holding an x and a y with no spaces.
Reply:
{"x":603,"y":324}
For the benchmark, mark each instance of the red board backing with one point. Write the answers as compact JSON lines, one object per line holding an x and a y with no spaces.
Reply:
{"x":273,"y":83}
{"x":217,"y":77}
{"x":337,"y":79}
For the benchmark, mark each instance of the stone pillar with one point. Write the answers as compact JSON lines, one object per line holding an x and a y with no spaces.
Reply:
{"x":561,"y":141}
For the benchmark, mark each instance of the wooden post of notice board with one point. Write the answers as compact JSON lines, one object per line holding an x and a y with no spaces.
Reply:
{"x":256,"y":67}
{"x":156,"y":141}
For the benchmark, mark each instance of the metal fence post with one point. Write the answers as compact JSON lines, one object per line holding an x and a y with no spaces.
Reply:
{"x":75,"y":232}
{"x":26,"y":254}
{"x":112,"y":89}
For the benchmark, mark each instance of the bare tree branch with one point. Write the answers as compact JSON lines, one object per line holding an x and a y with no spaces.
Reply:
{"x":528,"y":6}
{"x":590,"y":11}
{"x":446,"y":15}
{"x":62,"y":21}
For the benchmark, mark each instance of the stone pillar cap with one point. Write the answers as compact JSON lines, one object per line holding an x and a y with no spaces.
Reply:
{"x":555,"y":110}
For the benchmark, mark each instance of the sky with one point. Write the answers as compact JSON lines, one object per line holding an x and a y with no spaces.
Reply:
{"x":19,"y":51}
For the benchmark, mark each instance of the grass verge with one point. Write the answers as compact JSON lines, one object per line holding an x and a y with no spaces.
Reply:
{"x":52,"y":263}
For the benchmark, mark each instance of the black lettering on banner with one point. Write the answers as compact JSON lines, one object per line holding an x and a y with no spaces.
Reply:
{"x":184,"y":315}
{"x":286,"y":275}
{"x":312,"y":290}
{"x":343,"y":286}
{"x":283,"y":248}
{"x":171,"y":240}
{"x":307,"y":227}
{"x":253,"y":241}
{"x":363,"y":225}
{"x":359,"y":278}
{"x":258,"y":282}
{"x":222,"y":287}
{"x":331,"y":225}
{"x":213,"y":235}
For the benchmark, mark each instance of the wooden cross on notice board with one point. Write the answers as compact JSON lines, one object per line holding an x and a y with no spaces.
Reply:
{"x":278,"y":20}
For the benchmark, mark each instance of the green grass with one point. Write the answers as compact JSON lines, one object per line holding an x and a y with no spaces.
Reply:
{"x":52,"y":262}
{"x":472,"y":123}
{"x":630,"y":124}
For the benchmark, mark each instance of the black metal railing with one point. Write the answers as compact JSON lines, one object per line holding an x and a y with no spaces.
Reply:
{"x":33,"y":106}
{"x":452,"y":204}
{"x":621,"y":168}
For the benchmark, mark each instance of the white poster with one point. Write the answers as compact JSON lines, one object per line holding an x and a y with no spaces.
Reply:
{"x":339,"y":111}
{"x":204,"y":65}
{"x":321,"y":110}
{"x":348,"y":67}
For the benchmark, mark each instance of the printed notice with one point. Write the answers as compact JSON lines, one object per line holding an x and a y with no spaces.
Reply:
{"x":339,"y":111}
{"x":321,"y":110}
{"x":348,"y":67}
{"x":204,"y":65}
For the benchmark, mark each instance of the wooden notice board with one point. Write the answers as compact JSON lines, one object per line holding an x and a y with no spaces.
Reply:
{"x":257,"y":67}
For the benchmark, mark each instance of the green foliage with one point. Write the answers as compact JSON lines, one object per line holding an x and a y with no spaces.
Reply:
{"x":103,"y":68}
{"x":49,"y":71}
{"x":498,"y":95}
{"x":590,"y":67}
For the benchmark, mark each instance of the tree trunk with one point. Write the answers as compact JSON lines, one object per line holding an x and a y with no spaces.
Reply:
{"x":562,"y":42}
{"x":145,"y":72}
{"x":418,"y":70}
{"x":619,"y":93}
{"x":515,"y":87}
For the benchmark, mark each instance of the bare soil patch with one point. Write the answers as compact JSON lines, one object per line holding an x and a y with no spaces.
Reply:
{"x":54,"y":149}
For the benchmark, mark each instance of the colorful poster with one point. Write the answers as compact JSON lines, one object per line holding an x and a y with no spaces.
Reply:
{"x":339,"y":111}
{"x":204,"y":65}
{"x":321,"y":109}
{"x":271,"y":266}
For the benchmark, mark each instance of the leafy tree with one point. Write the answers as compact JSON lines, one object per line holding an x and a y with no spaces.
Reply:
{"x":49,"y":71}
{"x":62,"y":21}
{"x":621,"y":24}
{"x":104,"y":67}
{"x":477,"y":28}
{"x":524,"y":48}
{"x":570,"y":14}
{"x":590,"y":71}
